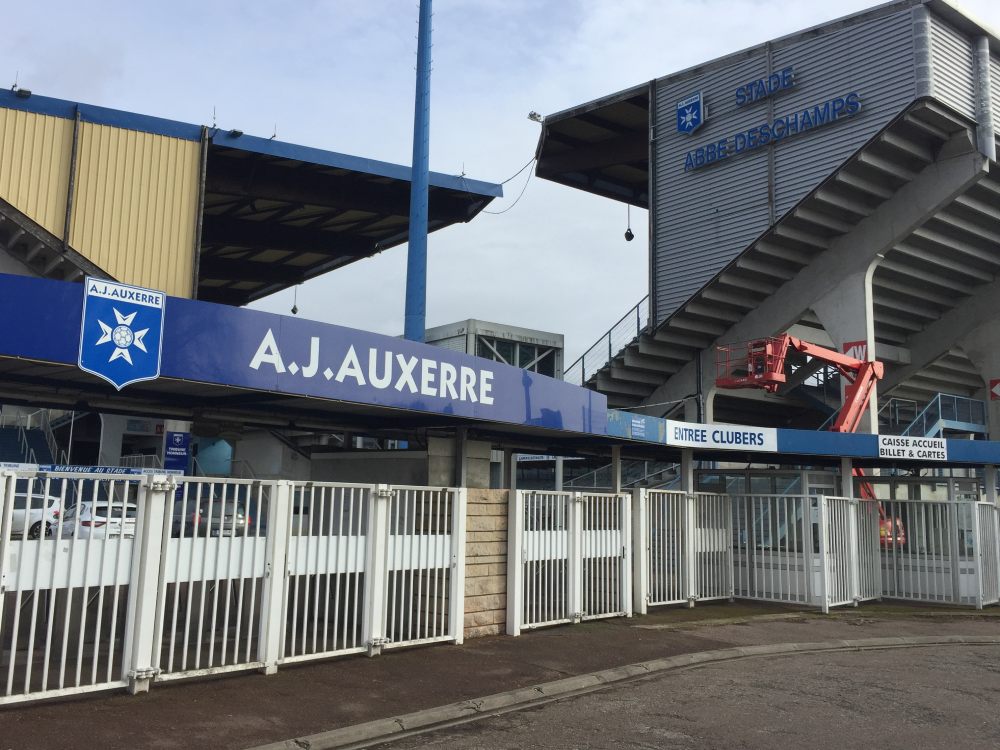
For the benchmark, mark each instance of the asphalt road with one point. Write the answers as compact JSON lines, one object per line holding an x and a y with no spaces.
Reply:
{"x":912,"y":699}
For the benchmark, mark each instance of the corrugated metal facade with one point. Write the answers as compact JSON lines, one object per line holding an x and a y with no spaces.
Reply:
{"x":883,"y":76}
{"x":136,"y":204}
{"x":954,"y":77}
{"x":34,"y":165}
{"x":705,"y":218}
{"x":455,"y":343}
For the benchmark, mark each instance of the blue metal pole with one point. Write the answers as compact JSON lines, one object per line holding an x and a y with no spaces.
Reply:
{"x":416,"y":257}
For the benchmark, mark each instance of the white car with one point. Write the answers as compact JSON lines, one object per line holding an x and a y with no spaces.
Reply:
{"x":35,"y":515}
{"x":100,"y":520}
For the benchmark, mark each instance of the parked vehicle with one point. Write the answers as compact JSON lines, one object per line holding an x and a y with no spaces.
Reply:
{"x":213,"y":517}
{"x":100,"y":520}
{"x":33,"y":511}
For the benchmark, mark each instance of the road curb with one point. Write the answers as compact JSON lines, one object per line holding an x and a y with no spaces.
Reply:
{"x":384,"y":730}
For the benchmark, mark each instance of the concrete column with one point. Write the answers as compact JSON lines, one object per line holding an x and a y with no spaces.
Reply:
{"x":982,"y":346}
{"x":847,"y":315}
{"x":509,"y":469}
{"x":559,"y":473}
{"x":112,"y":430}
{"x":990,"y":483}
{"x":846,"y":476}
{"x":461,"y":435}
{"x":687,"y":470}
{"x":616,"y":468}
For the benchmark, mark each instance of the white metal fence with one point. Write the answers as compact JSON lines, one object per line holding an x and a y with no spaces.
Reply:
{"x":817,"y":551}
{"x":569,"y":558}
{"x":945,"y":552}
{"x":108,"y":582}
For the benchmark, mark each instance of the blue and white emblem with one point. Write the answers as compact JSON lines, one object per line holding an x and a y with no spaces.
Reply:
{"x":691,"y":114}
{"x":122,"y":332}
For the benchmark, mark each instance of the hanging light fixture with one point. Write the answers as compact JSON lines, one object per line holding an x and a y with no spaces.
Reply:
{"x":629,"y":234}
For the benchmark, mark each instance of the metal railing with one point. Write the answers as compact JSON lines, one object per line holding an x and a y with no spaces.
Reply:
{"x":141,"y":461}
{"x":633,"y":473}
{"x":897,"y":414}
{"x":619,"y":336}
{"x":146,"y":578}
{"x":24,"y":445}
{"x":40,"y":419}
{"x":959,"y":411}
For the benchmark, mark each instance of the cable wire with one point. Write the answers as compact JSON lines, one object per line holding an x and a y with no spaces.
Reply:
{"x":530,"y":162}
{"x":519,"y":196}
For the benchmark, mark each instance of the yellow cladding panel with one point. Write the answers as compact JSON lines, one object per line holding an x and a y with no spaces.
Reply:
{"x":135,"y":205}
{"x":34,"y":165}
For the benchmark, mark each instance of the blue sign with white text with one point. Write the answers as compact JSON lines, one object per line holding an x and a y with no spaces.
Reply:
{"x":234,"y":347}
{"x":121,"y":332}
{"x":691,"y":114}
{"x":176,"y":450}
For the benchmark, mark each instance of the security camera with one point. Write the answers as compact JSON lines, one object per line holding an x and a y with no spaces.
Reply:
{"x":629,"y":236}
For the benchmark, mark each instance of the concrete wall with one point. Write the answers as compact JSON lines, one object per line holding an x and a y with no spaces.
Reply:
{"x":486,"y":563}
{"x":376,"y":467}
{"x":271,"y":459}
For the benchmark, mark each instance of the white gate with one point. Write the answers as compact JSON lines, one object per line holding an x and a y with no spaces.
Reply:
{"x":989,"y":553}
{"x":661,"y":545}
{"x":143,"y":578}
{"x":213,"y":561}
{"x":568,"y":558}
{"x":65,"y":583}
{"x":940,"y":552}
{"x":776,"y":548}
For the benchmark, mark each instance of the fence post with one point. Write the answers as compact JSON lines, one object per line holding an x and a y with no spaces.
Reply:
{"x":691,"y":548}
{"x":625,"y":503}
{"x":456,"y":601}
{"x":824,"y":562}
{"x":853,"y":550}
{"x":953,"y":547}
{"x":977,"y":554}
{"x":515,"y":561}
{"x":7,"y":484}
{"x":574,"y":564}
{"x":373,"y":632}
{"x":272,"y":600}
{"x":640,"y":545}
{"x":140,"y":627}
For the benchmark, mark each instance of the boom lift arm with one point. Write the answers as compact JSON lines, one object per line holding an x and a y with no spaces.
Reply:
{"x":763,"y":362}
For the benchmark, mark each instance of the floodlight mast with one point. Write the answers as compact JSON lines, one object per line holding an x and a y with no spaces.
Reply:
{"x":415,"y":315}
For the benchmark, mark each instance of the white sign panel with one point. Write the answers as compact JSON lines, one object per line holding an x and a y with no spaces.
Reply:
{"x":732,"y":437}
{"x":924,"y":449}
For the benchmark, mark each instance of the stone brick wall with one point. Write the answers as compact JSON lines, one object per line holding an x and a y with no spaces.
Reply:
{"x":486,"y":563}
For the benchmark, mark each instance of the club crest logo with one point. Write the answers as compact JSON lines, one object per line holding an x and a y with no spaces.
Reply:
{"x":121,"y":335}
{"x":691,"y":114}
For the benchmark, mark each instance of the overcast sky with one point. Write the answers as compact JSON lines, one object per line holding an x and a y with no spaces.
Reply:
{"x":339,"y":75}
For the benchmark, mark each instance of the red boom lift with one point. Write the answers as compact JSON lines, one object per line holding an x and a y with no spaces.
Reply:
{"x":761,"y":364}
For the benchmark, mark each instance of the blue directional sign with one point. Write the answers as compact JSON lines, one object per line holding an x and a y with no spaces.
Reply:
{"x":121,"y":332}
